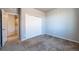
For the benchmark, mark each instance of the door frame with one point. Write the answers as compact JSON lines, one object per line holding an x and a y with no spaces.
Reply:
{"x":16,"y":14}
{"x":18,"y":19}
{"x":1,"y":27}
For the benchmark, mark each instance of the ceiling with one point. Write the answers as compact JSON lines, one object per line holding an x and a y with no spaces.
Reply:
{"x":45,"y":9}
{"x":12,"y":10}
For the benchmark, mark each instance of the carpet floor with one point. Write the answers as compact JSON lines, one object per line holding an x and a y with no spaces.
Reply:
{"x":41,"y":43}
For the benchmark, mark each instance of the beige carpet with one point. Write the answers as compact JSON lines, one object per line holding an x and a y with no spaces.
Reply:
{"x":41,"y":43}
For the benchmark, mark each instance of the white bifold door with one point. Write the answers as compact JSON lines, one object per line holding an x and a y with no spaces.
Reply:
{"x":33,"y":26}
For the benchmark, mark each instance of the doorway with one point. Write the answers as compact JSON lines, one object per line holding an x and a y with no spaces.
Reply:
{"x":10,"y":25}
{"x":13,"y":28}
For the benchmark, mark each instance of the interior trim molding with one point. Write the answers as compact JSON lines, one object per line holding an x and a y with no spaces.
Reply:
{"x":63,"y":38}
{"x":1,"y":27}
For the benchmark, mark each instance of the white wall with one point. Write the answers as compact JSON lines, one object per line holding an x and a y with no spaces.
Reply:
{"x":31,"y":12}
{"x":60,"y":22}
{"x":63,"y":23}
{"x":11,"y":24}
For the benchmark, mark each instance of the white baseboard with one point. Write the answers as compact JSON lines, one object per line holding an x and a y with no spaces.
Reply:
{"x":30,"y":37}
{"x":64,"y":38}
{"x":54,"y":36}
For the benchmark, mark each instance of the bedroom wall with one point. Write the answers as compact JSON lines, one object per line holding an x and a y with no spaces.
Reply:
{"x":63,"y":23}
{"x":31,"y":12}
{"x":60,"y":22}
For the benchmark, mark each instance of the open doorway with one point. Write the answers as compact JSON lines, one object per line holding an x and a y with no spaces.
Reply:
{"x":13,"y":28}
{"x":10,"y":25}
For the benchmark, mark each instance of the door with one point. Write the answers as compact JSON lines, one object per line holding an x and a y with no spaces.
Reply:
{"x":33,"y":26}
{"x":4,"y":27}
{"x":0,"y":28}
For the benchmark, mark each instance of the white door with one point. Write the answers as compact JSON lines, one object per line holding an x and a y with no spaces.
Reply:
{"x":33,"y":26}
{"x":4,"y":27}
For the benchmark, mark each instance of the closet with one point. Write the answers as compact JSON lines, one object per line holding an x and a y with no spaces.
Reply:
{"x":33,"y":26}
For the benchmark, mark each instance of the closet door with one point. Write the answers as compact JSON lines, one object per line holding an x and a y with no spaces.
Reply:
{"x":33,"y":26}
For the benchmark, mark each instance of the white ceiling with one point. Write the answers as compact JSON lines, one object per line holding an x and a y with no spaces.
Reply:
{"x":45,"y":9}
{"x":12,"y":10}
